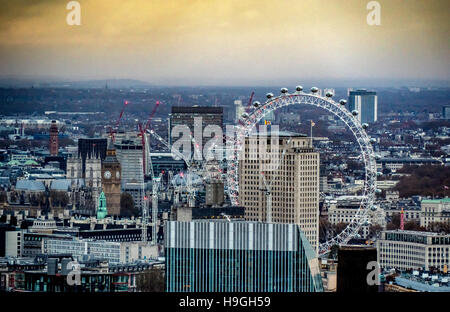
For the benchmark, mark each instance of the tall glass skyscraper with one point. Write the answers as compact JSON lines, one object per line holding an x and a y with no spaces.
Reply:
{"x":366,"y":103}
{"x":239,"y":256}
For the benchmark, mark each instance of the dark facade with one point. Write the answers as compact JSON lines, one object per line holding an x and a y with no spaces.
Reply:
{"x":110,"y":235}
{"x":91,"y":148}
{"x":4,"y":227}
{"x":352,"y":272}
{"x":164,"y":163}
{"x":62,"y":160}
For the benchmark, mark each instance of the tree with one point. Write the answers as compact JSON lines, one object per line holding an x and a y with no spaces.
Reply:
{"x":424,"y":181}
{"x":333,"y":252}
{"x":127,"y":208}
{"x":439,"y":227}
{"x":3,"y":197}
{"x":374,"y":230}
{"x":413,"y":226}
{"x":59,"y":199}
{"x":324,"y":228}
{"x":151,"y":281}
{"x":395,"y":222}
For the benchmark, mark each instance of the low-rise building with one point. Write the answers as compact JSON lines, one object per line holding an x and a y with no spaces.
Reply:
{"x":435,"y":210}
{"x":113,"y":252}
{"x":343,"y":209}
{"x":406,"y":250}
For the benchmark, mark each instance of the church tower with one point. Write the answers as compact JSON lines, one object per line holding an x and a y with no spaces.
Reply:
{"x":111,"y":174}
{"x":53,"y":144}
{"x":101,"y":210}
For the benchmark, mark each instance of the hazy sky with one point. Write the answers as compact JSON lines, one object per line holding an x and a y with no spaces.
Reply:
{"x":227,"y":41}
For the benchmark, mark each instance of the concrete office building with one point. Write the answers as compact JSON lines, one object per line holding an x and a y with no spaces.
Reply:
{"x":130,"y":156}
{"x":239,"y":256}
{"x":294,"y":183}
{"x":366,"y":103}
{"x":405,"y":250}
{"x":446,"y":112}
{"x":113,"y":252}
{"x":240,"y":109}
{"x":191,"y":117}
{"x":343,"y":209}
{"x":434,"y":210}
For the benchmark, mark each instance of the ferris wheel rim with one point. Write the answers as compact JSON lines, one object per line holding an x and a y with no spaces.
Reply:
{"x":349,"y":119}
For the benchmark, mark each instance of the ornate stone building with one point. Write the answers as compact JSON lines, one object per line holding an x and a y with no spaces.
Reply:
{"x":111,"y":174}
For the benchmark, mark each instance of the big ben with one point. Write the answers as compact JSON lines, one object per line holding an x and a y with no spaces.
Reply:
{"x":111,"y":174}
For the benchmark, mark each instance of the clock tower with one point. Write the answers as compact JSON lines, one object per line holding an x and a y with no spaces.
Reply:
{"x":111,"y":174}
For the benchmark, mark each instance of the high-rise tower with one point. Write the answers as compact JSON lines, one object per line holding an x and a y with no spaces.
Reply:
{"x":366,"y":103}
{"x":292,"y":181}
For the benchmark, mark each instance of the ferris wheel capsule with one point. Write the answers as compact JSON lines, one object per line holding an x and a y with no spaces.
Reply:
{"x":373,"y":140}
{"x":354,"y":112}
{"x":314,"y":89}
{"x":329,"y":94}
{"x":373,"y":208}
{"x":298,"y":88}
{"x":256,"y":104}
{"x":342,"y":102}
{"x":269,"y":95}
{"x":378,"y":191}
{"x":379,"y":174}
{"x":245,"y":115}
{"x":284,"y":90}
{"x":367,"y":223}
{"x":365,"y":126}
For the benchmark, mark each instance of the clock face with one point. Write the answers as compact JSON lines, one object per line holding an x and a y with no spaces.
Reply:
{"x":107,"y":175}
{"x":117,"y":174}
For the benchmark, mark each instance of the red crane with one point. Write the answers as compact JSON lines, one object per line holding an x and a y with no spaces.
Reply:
{"x":247,"y":109}
{"x":143,"y":130}
{"x":113,"y":131}
{"x":250,"y":101}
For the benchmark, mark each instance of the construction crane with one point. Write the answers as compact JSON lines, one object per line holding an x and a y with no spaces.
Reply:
{"x":156,"y":181}
{"x":268,"y":185}
{"x":144,"y":220}
{"x":116,"y":127}
{"x":146,"y":145}
{"x":249,"y":104}
{"x":190,"y":163}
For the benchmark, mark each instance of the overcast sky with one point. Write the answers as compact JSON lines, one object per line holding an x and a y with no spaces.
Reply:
{"x":226,"y":42}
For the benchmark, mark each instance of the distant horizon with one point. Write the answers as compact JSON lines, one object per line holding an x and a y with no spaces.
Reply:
{"x":33,"y":80}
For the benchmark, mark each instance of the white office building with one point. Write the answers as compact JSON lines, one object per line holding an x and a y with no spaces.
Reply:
{"x":405,"y":250}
